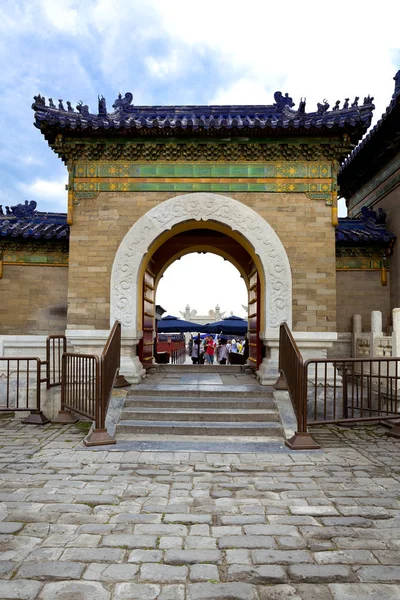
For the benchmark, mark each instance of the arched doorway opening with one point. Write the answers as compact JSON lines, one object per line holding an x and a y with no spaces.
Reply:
{"x":200,"y":238}
{"x":198,"y":211}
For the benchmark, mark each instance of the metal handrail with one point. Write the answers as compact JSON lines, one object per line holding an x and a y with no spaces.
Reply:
{"x":56,"y":346}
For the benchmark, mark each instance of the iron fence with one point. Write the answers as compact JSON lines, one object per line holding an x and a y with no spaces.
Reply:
{"x":346,"y":390}
{"x":56,"y":346}
{"x":351,"y":390}
{"x":20,"y":380}
{"x":178,"y":356}
{"x":86,"y":388}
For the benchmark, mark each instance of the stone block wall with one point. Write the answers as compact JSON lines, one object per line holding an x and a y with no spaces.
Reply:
{"x":33,"y":300}
{"x":302,"y":224}
{"x":361,"y":292}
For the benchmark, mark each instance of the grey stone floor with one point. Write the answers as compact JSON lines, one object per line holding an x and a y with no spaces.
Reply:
{"x":100,"y":525}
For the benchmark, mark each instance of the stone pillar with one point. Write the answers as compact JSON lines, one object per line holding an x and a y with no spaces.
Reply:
{"x":357,"y":331}
{"x":217,"y":313}
{"x":396,"y":332}
{"x":376,"y":330}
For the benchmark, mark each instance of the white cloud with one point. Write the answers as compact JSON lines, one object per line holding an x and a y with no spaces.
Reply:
{"x":202,"y":281}
{"x":49,"y":194}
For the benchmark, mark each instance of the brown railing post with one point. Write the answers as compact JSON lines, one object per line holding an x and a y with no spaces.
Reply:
{"x":302,"y":439}
{"x":109,"y":367}
{"x":37,"y":417}
{"x":64,"y":416}
{"x":281,"y":381}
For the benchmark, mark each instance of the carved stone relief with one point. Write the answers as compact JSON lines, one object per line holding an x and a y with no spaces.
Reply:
{"x":202,"y":206}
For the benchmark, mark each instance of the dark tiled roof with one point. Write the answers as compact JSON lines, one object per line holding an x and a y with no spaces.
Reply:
{"x":127,"y":118}
{"x":358,"y":231}
{"x":377,"y":148}
{"x":24,"y":222}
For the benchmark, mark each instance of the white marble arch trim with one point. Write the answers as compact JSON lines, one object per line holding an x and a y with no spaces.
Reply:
{"x":201,"y":206}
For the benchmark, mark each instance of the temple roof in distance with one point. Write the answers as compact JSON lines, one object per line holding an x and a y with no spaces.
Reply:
{"x":23,"y":222}
{"x":369,"y":229}
{"x":377,"y":148}
{"x":279,"y":119}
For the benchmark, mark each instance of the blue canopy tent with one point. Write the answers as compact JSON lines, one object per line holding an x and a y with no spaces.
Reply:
{"x":171,"y":324}
{"x":230,"y":326}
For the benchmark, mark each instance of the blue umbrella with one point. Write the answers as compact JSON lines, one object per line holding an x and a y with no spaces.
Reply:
{"x":170,"y":324}
{"x":230,"y":326}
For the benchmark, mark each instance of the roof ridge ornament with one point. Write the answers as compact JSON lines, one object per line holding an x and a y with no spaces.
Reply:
{"x":283,"y":100}
{"x":121,"y":103}
{"x":20,"y":211}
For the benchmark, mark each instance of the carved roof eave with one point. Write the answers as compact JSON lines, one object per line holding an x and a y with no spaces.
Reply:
{"x":107,"y":149}
{"x":377,"y":148}
{"x":208,"y":123}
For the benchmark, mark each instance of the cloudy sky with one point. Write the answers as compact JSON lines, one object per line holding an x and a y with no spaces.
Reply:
{"x":179,"y":52}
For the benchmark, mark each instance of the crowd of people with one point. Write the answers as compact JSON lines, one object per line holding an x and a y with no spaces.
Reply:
{"x":218,"y":350}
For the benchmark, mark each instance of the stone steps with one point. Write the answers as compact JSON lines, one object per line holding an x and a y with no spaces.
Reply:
{"x":199,"y":406}
{"x":211,"y":428}
{"x":213,"y":402}
{"x":203,"y":390}
{"x":202,"y":414}
{"x":185,"y":368}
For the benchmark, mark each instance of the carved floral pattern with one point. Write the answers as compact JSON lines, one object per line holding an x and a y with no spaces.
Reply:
{"x":202,"y":207}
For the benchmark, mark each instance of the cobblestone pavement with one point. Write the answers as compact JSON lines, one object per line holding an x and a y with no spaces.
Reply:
{"x":99,"y":525}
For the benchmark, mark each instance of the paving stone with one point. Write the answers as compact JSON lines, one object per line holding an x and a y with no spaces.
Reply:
{"x":202,"y":530}
{"x":346,"y":522}
{"x":263,"y":574}
{"x":320,"y":573}
{"x":279,"y":592}
{"x":172,"y":592}
{"x":201,"y":572}
{"x":388,"y":557}
{"x":290,"y":542}
{"x":93,"y":555}
{"x":270,"y":530}
{"x":129,"y":541}
{"x":314,"y":511}
{"x":188,"y":518}
{"x":135,"y":518}
{"x":145,"y":556}
{"x":359,"y":591}
{"x":95,"y":528}
{"x":6,"y":568}
{"x":51,"y":570}
{"x":379,"y":573}
{"x":315,"y":591}
{"x":78,"y":590}
{"x":200,"y":542}
{"x":9,"y":527}
{"x":240,"y":519}
{"x":221,"y":591}
{"x":225,"y":530}
{"x":19,"y":589}
{"x":110,"y":573}
{"x":181,"y":557}
{"x":283,"y":557}
{"x":347,"y":557}
{"x":169,"y":542}
{"x":163,"y":573}
{"x":247,"y":541}
{"x":160,"y":529}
